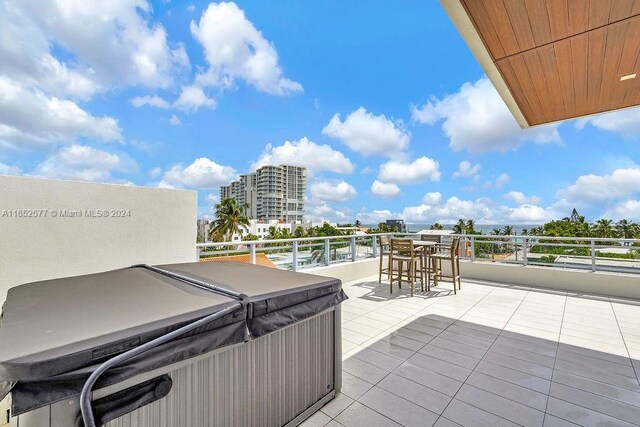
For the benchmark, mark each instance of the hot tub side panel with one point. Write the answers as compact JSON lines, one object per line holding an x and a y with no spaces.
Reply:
{"x":280,"y":378}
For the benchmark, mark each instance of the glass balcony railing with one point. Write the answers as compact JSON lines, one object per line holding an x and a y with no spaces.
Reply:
{"x":594,"y":254}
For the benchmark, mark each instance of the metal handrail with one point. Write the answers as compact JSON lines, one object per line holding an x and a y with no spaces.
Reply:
{"x":351,"y":246}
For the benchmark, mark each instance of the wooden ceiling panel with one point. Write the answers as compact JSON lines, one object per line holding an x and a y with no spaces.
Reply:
{"x":556,"y":59}
{"x":508,"y":27}
{"x":577,"y":76}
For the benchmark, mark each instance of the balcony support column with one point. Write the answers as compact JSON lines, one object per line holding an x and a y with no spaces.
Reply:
{"x":294,"y":265}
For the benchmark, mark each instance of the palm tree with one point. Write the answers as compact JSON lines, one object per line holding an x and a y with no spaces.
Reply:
{"x":358,"y":223}
{"x":524,"y":232}
{"x":299,"y":232}
{"x":459,"y":227}
{"x":507,"y":230}
{"x":436,"y":226}
{"x":626,"y":229}
{"x":471,"y":226}
{"x":230,"y":219}
{"x":495,"y":232}
{"x":604,"y":228}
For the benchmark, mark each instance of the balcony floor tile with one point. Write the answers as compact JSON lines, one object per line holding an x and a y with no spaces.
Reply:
{"x":492,"y":355}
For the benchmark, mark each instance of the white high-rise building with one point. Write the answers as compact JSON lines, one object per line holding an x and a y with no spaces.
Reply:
{"x":272,"y":193}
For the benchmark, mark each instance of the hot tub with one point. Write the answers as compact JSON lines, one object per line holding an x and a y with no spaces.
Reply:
{"x":271,"y":355}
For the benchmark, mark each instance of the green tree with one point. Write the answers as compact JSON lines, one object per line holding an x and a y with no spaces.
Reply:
{"x":459,"y":227}
{"x":383,"y":227}
{"x":524,"y":232}
{"x":436,"y":226}
{"x":299,"y":232}
{"x":230,"y":219}
{"x":604,"y":228}
{"x":358,"y":223}
{"x":470,"y":227}
{"x":507,"y":230}
{"x":250,"y":237}
{"x":626,"y":229}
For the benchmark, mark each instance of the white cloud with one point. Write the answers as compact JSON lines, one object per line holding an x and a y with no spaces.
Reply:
{"x":366,"y":170}
{"x":235,"y":49}
{"x":384,"y":190}
{"x":520,"y":198}
{"x":9,"y":170}
{"x":624,"y":122}
{"x":166,"y":185}
{"x":376,"y":216}
{"x":529,"y":214}
{"x":192,"y":98}
{"x":191,"y":7}
{"x":314,"y":157}
{"x":152,"y":101}
{"x":213,"y":198}
{"x":432,"y":198}
{"x":84,"y":163}
{"x":499,"y":182}
{"x":57,"y":52}
{"x":452,"y":209}
{"x":137,"y":51}
{"x":202,"y":173}
{"x":332,"y":191}
{"x":482,"y":210}
{"x":593,"y":189}
{"x":28,"y":117}
{"x":467,"y":170}
{"x":155,"y":173}
{"x":627,"y":209}
{"x":419,"y":170}
{"x":367,"y":134}
{"x":324,"y":212}
{"x":174,"y":120}
{"x":476,"y":119}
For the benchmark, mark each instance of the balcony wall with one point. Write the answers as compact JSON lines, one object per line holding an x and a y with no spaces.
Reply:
{"x":161,"y":228}
{"x":579,"y":281}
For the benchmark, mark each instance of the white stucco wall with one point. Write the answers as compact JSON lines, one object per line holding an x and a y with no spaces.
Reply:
{"x":578,"y":281}
{"x":161,"y":228}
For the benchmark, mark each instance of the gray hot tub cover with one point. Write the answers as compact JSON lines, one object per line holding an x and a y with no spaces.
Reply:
{"x":54,"y":333}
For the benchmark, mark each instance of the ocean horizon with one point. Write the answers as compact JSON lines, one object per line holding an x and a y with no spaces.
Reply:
{"x":484,"y":228}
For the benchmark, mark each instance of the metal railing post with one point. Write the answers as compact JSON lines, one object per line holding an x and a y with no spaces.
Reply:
{"x":374,"y":246}
{"x":198,"y":253}
{"x":353,"y":248}
{"x":472,"y":243}
{"x":252,"y":252}
{"x":294,"y":263}
{"x":524,"y":251}
{"x":593,"y":255}
{"x":327,"y":251}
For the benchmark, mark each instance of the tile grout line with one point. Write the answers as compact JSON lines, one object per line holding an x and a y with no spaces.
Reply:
{"x":490,"y":392}
{"x":414,"y":352}
{"x":439,"y":415}
{"x":473,"y":370}
{"x":546,"y":406}
{"x":623,"y":340}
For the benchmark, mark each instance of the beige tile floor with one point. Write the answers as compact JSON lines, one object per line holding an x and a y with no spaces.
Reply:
{"x":492,"y":355}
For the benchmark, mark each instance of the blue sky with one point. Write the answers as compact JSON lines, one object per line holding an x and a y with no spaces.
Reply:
{"x":382,"y":101}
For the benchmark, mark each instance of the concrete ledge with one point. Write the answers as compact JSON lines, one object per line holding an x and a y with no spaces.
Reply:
{"x":347,"y":271}
{"x":577,"y":281}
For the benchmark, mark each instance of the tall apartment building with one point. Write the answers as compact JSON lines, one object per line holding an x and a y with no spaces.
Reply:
{"x":272,"y":192}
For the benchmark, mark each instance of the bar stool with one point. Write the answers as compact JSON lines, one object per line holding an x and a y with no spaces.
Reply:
{"x":384,"y":245}
{"x":403,"y":253}
{"x":452,"y":256}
